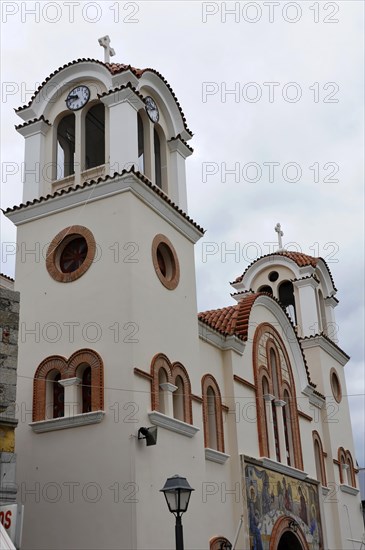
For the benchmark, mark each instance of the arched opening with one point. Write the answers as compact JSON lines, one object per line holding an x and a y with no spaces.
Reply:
{"x":178,"y":399}
{"x":317,"y":456}
{"x":58,"y":397}
{"x":286,"y":298}
{"x":274,"y":375}
{"x":162,"y":379}
{"x":86,"y":390}
{"x":65,"y":147}
{"x":212,"y":419}
{"x":289,"y":541}
{"x":140,"y":143}
{"x":158,"y":166}
{"x":266,"y":288}
{"x":95,"y":136}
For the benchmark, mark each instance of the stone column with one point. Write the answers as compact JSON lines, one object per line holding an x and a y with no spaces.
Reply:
{"x":168,"y":390}
{"x":279,"y":404}
{"x":72,"y":396}
{"x":268,"y":398}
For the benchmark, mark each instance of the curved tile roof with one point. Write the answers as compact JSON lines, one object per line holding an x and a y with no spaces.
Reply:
{"x":302,"y":260}
{"x":113,"y":68}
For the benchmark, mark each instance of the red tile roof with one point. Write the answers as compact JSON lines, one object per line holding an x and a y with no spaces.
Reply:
{"x":114,"y":68}
{"x":231,"y":320}
{"x":89,"y":183}
{"x":234,"y":320}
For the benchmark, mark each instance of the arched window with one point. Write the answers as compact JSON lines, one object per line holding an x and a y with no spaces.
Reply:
{"x":95,"y":136}
{"x":286,"y":298}
{"x":278,"y":428}
{"x":289,"y":448}
{"x":158,"y":165}
{"x":170,"y":389}
{"x":178,"y":399}
{"x":65,"y":147}
{"x":86,"y":390}
{"x":55,"y":396}
{"x":319,"y":458}
{"x":49,"y":395}
{"x":274,"y":375}
{"x":140,"y":144}
{"x":162,"y":380}
{"x":346,"y":464}
{"x":212,"y":414}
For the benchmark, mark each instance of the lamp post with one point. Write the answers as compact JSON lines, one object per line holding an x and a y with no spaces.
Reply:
{"x":177,"y":492}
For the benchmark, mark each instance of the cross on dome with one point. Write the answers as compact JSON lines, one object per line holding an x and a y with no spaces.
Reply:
{"x":104,"y":41}
{"x":280,"y":235}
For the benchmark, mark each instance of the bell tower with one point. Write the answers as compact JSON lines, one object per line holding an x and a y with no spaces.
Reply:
{"x":90,"y":119}
{"x":113,"y":274}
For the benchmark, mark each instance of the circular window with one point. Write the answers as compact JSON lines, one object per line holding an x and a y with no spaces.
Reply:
{"x":70,"y":253}
{"x":165,"y":262}
{"x":336,"y":386}
{"x":273,"y":276}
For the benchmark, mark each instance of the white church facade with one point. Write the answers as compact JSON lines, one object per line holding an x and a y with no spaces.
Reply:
{"x":249,"y":401}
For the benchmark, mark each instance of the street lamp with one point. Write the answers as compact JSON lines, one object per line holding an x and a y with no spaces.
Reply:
{"x":177,"y":492}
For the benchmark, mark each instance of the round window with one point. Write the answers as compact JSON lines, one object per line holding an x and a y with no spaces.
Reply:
{"x":273,"y":276}
{"x":165,"y":262}
{"x":336,"y":386}
{"x":70,"y":254}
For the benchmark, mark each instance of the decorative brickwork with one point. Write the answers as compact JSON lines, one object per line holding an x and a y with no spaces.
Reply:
{"x":57,"y":246}
{"x":171,"y":370}
{"x":68,"y":369}
{"x":266,"y":338}
{"x":219,"y":543}
{"x":165,"y":262}
{"x":345,"y":462}
{"x":283,"y":525}
{"x":179,"y":370}
{"x":208,"y":381}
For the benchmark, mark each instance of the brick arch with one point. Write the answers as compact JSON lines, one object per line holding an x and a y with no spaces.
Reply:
{"x":282,"y":526}
{"x":350,"y":463}
{"x":209,"y":381}
{"x":179,"y":370}
{"x":54,"y":362}
{"x":275,"y":342}
{"x":67,"y":369}
{"x":159,"y":361}
{"x":215,"y":543}
{"x":93,"y":360}
{"x":317,"y":438}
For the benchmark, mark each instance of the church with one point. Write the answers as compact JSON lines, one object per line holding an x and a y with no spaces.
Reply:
{"x":247,"y":402}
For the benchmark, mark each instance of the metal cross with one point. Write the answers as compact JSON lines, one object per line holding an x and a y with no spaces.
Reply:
{"x":104,"y":41}
{"x":280,"y":234}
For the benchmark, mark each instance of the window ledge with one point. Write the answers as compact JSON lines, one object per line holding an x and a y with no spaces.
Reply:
{"x":284,"y":468}
{"x":216,"y":456}
{"x":348,"y":489}
{"x":325,"y":490}
{"x":173,"y":424}
{"x":64,"y":422}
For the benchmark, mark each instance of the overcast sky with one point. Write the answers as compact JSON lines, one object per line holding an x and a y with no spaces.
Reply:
{"x":292,"y":128}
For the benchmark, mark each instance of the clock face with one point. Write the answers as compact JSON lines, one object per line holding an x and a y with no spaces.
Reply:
{"x":77,"y":98}
{"x":152,"y":109}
